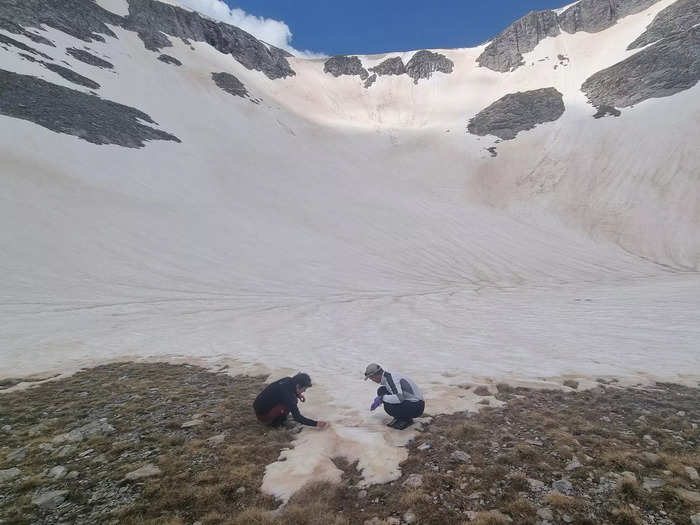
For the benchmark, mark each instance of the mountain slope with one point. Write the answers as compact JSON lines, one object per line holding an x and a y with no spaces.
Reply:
{"x":173,"y":186}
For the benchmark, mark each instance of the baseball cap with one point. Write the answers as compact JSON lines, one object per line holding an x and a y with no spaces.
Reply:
{"x":372,"y":369}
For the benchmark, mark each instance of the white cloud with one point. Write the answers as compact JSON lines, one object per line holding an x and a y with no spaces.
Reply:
{"x":274,"y":32}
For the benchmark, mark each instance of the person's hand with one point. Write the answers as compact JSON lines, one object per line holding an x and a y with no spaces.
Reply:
{"x":322,"y":424}
{"x":377,"y":401}
{"x":301,"y":397}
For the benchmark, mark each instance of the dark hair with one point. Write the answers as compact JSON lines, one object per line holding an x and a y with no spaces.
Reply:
{"x":302,"y":379}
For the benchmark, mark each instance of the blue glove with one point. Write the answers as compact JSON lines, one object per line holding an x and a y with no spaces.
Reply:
{"x":377,"y":401}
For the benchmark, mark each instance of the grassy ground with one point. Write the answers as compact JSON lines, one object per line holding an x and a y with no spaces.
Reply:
{"x":598,"y":447}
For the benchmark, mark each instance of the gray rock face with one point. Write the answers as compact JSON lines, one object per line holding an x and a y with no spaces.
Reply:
{"x":424,"y":63}
{"x":75,"y":113}
{"x":71,"y":75}
{"x":232,"y":85}
{"x":504,"y":53}
{"x":371,"y":80}
{"x":391,"y":66}
{"x":345,"y":65}
{"x":660,"y":70}
{"x":88,"y":58}
{"x":152,"y":20}
{"x":169,"y":60}
{"x":593,"y":16}
{"x":518,"y":112}
{"x":679,"y":16}
{"x":604,"y":111}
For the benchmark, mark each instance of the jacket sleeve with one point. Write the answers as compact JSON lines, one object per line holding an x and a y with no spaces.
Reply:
{"x":396,"y":396}
{"x":291,"y":402}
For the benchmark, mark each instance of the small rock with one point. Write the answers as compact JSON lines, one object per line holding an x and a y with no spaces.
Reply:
{"x":146,"y":471}
{"x":545,"y":514}
{"x":535,"y":484}
{"x":374,"y":521}
{"x":470,"y":515}
{"x":651,"y":458}
{"x":534,"y":442}
{"x":240,"y":490}
{"x":650,"y":440}
{"x":216,"y":440}
{"x":690,"y":496}
{"x":563,"y":485}
{"x":567,"y":518}
{"x":482,"y":391}
{"x":652,"y":483}
{"x":695,"y":519}
{"x":458,"y":455}
{"x":681,"y":413}
{"x":193,"y":423}
{"x":392,"y":520}
{"x":425,"y":446}
{"x":476,"y":495}
{"x":17,"y":455}
{"x":58,"y":472}
{"x":65,"y":450}
{"x":8,"y":474}
{"x":86,"y":452}
{"x":571,"y":383}
{"x":50,"y":500}
{"x":7,"y":429}
{"x":409,"y":517}
{"x":413,"y":481}
{"x":573,"y":464}
{"x":72,"y":474}
{"x":45,"y":447}
{"x":692,"y":473}
{"x":362,"y":494}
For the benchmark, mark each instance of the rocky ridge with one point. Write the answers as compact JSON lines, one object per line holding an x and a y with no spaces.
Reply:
{"x":152,"y":21}
{"x":505,"y":52}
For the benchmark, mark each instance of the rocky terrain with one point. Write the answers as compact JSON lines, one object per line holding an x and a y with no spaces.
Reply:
{"x":151,"y":20}
{"x":158,"y":443}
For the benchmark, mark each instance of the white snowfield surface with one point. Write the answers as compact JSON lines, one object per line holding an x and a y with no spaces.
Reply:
{"x":331,"y":226}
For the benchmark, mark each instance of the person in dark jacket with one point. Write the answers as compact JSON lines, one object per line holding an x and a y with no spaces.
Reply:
{"x":280,"y":398}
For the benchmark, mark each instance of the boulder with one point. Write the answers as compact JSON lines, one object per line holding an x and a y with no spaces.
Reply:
{"x":9,"y":474}
{"x":146,"y":471}
{"x":517,"y":112}
{"x":50,"y":500}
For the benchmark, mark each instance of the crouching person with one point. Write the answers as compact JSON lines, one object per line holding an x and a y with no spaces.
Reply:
{"x":401,"y":397}
{"x":280,"y":398}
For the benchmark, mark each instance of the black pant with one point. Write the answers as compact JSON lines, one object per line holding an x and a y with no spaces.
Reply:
{"x":405,"y":410}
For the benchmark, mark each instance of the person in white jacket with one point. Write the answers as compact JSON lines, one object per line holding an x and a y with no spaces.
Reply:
{"x":401,"y":397}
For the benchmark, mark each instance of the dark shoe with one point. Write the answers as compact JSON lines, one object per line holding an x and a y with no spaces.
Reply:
{"x":402,"y":424}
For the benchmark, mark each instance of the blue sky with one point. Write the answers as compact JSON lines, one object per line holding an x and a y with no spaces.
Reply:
{"x":365,"y":27}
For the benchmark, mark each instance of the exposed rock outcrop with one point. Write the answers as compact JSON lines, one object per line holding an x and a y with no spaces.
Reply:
{"x":679,"y":16}
{"x":424,"y":63}
{"x":371,"y":80}
{"x":71,"y":75}
{"x":230,"y":84}
{"x":66,"y":110}
{"x":7,"y":41}
{"x":505,"y":52}
{"x":390,"y":66}
{"x":518,"y":112}
{"x":663,"y":69}
{"x":152,"y":21}
{"x":169,"y":60}
{"x":593,"y":16}
{"x":88,"y":58}
{"x":345,"y":65}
